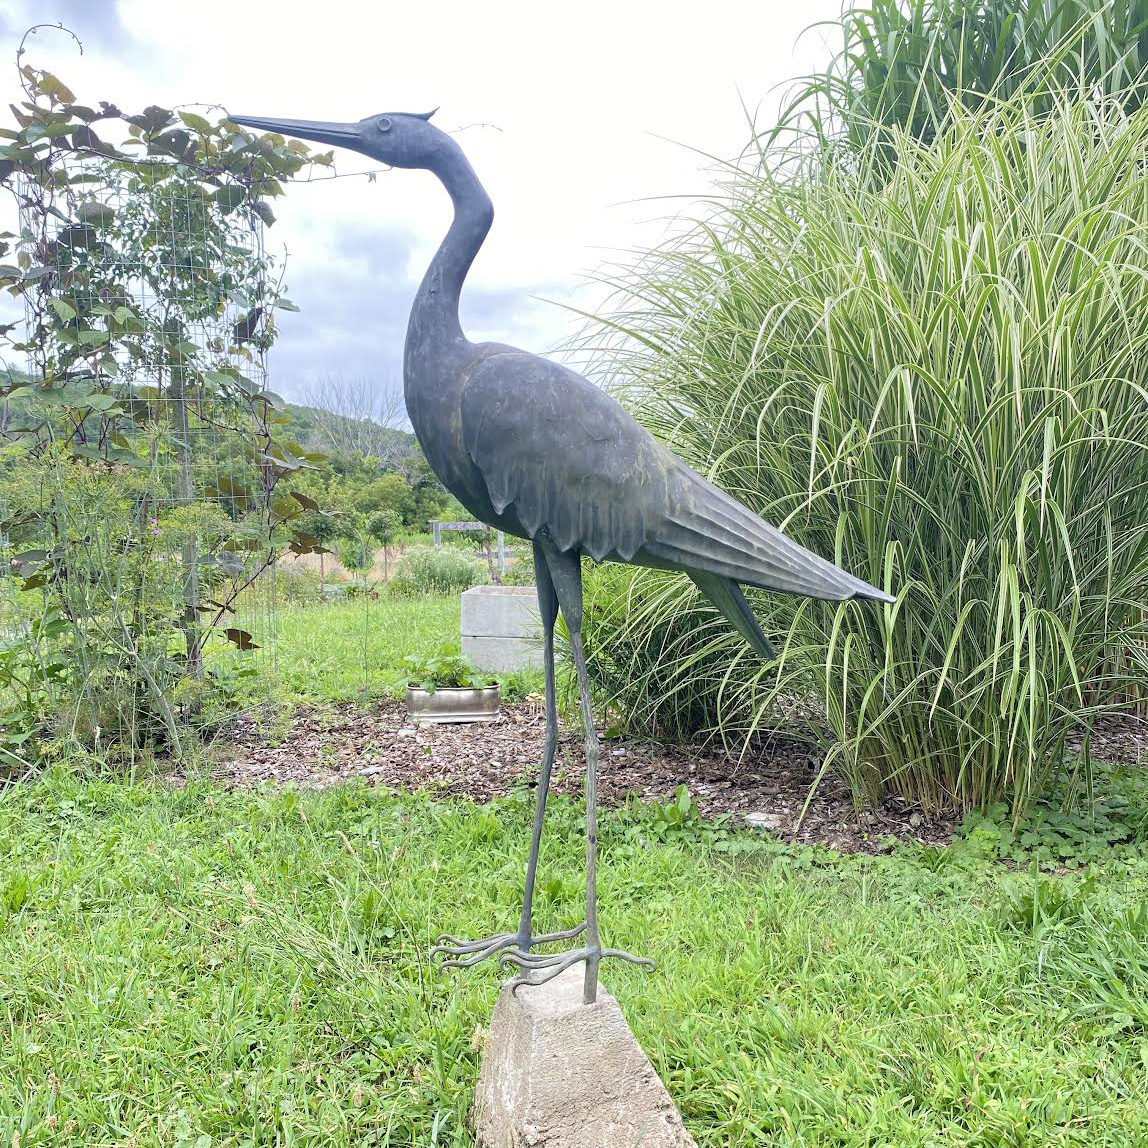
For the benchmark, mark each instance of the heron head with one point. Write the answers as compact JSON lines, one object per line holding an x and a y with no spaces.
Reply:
{"x":398,"y":139}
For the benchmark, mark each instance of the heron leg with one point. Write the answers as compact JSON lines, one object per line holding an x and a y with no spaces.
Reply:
{"x":460,"y":953}
{"x":566,"y":574}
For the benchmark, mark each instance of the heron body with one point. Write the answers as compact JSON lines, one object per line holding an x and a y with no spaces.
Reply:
{"x":532,"y":448}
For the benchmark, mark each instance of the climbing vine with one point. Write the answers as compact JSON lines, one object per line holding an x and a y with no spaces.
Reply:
{"x":145,"y":455}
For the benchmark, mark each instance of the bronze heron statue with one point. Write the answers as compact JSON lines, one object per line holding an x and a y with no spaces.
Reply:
{"x":530,"y":447}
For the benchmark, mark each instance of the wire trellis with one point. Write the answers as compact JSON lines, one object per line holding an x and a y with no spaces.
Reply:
{"x":147,"y":507}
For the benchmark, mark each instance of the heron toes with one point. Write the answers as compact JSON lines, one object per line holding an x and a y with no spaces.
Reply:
{"x":538,"y":968}
{"x":462,"y":954}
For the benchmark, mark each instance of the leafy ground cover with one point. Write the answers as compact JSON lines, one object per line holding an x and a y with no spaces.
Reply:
{"x":197,"y":968}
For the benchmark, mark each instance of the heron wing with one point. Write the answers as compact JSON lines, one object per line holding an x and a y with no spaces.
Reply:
{"x":703,"y":528}
{"x":570,"y":460}
{"x":563,"y":454}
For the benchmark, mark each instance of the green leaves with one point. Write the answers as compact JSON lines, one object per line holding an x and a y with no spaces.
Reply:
{"x":445,"y":668}
{"x":937,"y":379}
{"x":150,"y":305}
{"x":197,"y":123}
{"x":97,"y":214}
{"x":151,"y":120}
{"x":48,"y":85}
{"x":229,"y":197}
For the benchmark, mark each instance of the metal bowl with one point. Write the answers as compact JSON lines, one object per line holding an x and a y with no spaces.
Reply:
{"x":452,"y":705}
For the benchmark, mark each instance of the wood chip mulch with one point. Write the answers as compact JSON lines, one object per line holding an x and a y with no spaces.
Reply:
{"x":768,"y":788}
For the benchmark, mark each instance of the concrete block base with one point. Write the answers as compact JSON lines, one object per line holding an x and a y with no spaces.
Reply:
{"x":501,"y":629}
{"x":560,"y":1074}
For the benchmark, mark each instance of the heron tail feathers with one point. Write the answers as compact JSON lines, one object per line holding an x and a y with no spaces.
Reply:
{"x":726,"y":595}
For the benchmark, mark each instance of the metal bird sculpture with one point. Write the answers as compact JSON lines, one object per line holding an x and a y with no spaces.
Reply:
{"x":532,"y":448}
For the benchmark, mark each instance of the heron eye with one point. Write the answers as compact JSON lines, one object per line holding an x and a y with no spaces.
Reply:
{"x":384,"y":125}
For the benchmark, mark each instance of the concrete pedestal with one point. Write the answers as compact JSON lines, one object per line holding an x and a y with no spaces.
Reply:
{"x":501,"y":629}
{"x":560,"y":1074}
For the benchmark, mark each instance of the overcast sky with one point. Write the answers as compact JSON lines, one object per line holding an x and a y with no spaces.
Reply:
{"x":583,"y":120}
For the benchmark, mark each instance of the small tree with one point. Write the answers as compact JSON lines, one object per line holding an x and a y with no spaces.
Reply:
{"x":384,"y":527}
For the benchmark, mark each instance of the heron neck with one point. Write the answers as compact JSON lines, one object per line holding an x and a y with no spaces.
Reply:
{"x":434,"y":317}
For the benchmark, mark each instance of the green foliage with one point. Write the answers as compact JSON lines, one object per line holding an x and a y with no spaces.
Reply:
{"x":1107,"y":825}
{"x":439,"y":570}
{"x":445,"y":668}
{"x":800,"y":998}
{"x":520,"y":572}
{"x":348,"y":493}
{"x":908,"y":65}
{"x":27,"y":683}
{"x":403,"y":588}
{"x":384,"y":526}
{"x":134,"y":527}
{"x":939,"y":385}
{"x":96,"y":658}
{"x":518,"y":685}
{"x":387,"y":493}
{"x":357,"y":545}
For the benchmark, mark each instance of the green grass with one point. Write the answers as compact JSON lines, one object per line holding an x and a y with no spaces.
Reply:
{"x":199,"y":969}
{"x":354,"y":650}
{"x":343,"y":651}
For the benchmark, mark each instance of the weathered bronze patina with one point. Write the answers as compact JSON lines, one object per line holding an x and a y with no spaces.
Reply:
{"x":533,"y":449}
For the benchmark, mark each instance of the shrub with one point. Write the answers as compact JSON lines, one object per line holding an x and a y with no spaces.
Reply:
{"x":942,"y":385}
{"x":520,"y":572}
{"x":402,"y":588}
{"x":438,"y":570}
{"x":98,"y":653}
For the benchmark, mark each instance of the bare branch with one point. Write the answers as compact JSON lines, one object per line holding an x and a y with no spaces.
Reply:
{"x":358,"y":417}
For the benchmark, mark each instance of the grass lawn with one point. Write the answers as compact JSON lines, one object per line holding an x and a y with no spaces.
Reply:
{"x":347,"y":650}
{"x":354,"y":649}
{"x":199,"y":969}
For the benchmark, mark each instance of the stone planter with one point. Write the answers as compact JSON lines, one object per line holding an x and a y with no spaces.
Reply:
{"x":500,"y":627}
{"x":448,"y":704}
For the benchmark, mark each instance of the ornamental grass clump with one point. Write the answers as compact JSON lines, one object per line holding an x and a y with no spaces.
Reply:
{"x":940,"y":381}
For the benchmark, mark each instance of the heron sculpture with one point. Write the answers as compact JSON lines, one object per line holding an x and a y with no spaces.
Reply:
{"x":530,"y":447}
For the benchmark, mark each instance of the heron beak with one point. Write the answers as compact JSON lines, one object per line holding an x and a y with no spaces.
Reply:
{"x":334,"y":135}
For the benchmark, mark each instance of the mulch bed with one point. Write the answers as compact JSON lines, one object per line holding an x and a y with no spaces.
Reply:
{"x":323,"y":746}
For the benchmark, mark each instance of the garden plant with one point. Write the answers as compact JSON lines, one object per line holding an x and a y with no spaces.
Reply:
{"x":922,"y":357}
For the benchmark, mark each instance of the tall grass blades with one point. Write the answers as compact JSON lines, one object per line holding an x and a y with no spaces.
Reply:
{"x":941,"y":384}
{"x":903,"y":64}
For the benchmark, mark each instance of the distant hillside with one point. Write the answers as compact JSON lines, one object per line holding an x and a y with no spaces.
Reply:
{"x":337,"y":434}
{"x":313,"y":427}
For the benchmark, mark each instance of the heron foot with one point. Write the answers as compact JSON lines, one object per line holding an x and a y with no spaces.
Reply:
{"x":462,"y":954}
{"x":538,"y":968}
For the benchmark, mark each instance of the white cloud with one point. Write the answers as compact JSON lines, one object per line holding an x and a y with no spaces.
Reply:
{"x":565,"y":111}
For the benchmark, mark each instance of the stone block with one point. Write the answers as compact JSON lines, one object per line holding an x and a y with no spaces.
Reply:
{"x":501,"y":629}
{"x":560,"y":1074}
